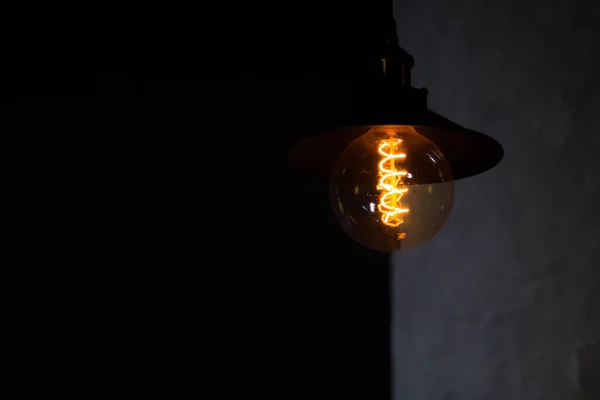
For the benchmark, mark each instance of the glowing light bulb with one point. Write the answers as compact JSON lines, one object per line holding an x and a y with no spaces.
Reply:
{"x":392,"y":188}
{"x":390,"y":183}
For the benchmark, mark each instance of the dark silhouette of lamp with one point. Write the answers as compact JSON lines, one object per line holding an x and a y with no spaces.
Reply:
{"x":392,"y":162}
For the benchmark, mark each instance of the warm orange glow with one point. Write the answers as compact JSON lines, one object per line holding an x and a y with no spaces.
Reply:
{"x":390,"y":183}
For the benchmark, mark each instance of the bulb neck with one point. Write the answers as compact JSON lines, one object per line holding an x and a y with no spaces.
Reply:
{"x":387,"y":102}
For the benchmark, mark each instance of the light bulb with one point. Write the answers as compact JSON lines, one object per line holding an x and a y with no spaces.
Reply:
{"x":392,"y":188}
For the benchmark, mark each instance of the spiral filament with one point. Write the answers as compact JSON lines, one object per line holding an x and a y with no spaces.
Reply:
{"x":390,"y":183}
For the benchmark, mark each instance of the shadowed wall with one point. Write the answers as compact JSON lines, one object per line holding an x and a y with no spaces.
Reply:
{"x":496,"y":305}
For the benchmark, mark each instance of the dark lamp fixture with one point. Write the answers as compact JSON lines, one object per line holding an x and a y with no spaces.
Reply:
{"x":391,"y":165}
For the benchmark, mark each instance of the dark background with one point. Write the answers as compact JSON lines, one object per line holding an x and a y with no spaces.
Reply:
{"x":164,"y":269}
{"x":178,"y":253}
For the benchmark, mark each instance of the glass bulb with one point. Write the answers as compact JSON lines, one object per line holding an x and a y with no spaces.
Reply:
{"x":392,"y":188}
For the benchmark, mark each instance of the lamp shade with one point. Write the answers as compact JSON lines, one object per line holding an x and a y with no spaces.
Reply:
{"x":379,"y":103}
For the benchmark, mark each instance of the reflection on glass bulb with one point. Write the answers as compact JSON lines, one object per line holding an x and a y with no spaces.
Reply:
{"x":392,"y":188}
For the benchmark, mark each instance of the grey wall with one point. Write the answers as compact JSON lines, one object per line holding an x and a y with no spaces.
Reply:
{"x":496,"y":305}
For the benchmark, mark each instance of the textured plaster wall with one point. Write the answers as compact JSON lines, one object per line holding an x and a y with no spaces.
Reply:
{"x":496,"y":305}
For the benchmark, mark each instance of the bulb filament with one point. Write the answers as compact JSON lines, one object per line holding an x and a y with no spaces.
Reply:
{"x":390,"y":183}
